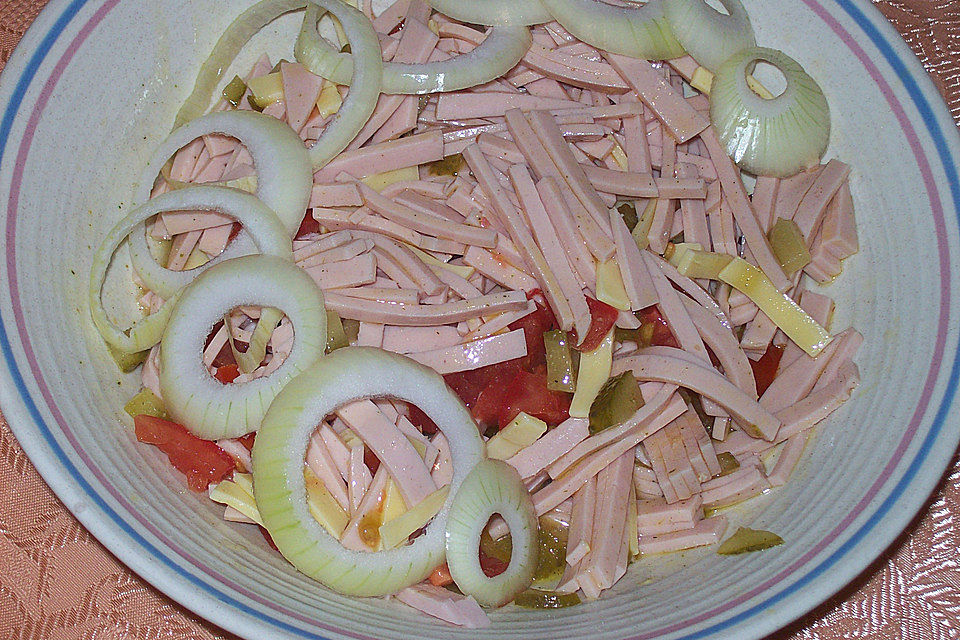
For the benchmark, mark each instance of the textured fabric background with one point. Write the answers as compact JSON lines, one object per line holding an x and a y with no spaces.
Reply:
{"x":58,"y":583}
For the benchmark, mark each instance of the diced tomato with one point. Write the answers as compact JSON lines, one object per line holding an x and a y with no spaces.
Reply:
{"x":662,"y":336}
{"x":234,"y":231}
{"x":469,"y":384}
{"x":308,"y":225}
{"x":371,"y":460}
{"x":526,"y":391}
{"x":421,"y":420}
{"x":765,"y":369}
{"x":534,"y":325}
{"x":202,"y":461}
{"x":492,"y":398}
{"x":491,"y":566}
{"x":441,"y":576}
{"x":227,"y":373}
{"x":602,"y":319}
{"x":247,"y":441}
{"x":268,"y":538}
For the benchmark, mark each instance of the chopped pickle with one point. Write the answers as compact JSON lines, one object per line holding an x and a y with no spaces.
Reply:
{"x":561,"y":375}
{"x":728,"y":463}
{"x":253,"y":104}
{"x":128,"y":361}
{"x":534,"y":599}
{"x":351,"y":328}
{"x":551,"y":558}
{"x":234,"y":91}
{"x":336,"y":336}
{"x":145,"y":403}
{"x":693,"y":400}
{"x":642,"y":229}
{"x":746,"y":540}
{"x":446,"y":166}
{"x":789,"y":247}
{"x":266,"y":89}
{"x":618,"y":399}
{"x":346,"y":48}
{"x":629,"y":212}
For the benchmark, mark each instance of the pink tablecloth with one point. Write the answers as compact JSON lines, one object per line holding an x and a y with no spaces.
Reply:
{"x":58,"y":583}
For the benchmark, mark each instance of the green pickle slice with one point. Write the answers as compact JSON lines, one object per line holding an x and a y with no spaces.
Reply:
{"x":747,"y":540}
{"x":619,"y":398}
{"x":561,"y":372}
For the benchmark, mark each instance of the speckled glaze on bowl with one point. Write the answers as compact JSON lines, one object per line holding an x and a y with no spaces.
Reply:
{"x":93,"y":87}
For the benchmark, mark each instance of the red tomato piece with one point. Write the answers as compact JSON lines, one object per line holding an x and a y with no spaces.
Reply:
{"x":268,"y":538}
{"x":308,"y":225}
{"x":441,"y":576}
{"x":602,"y":319}
{"x":662,"y":336}
{"x":202,"y":461}
{"x":528,"y":392}
{"x":227,"y":373}
{"x":491,"y":566}
{"x":492,"y":399}
{"x":765,"y":369}
{"x":534,"y":325}
{"x":371,"y":460}
{"x":421,"y":420}
{"x":247,"y":440}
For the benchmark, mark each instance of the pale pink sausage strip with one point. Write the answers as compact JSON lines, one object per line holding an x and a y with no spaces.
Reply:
{"x":444,"y":604}
{"x":813,"y":206}
{"x":543,"y":166}
{"x":474,"y":354}
{"x":410,"y":339}
{"x":656,"y":517}
{"x":788,"y":459}
{"x":743,"y":211}
{"x":413,"y":266}
{"x":821,"y":403}
{"x":392,"y":447}
{"x":458,"y":106}
{"x":548,"y":240}
{"x":498,"y":271}
{"x":424,"y":315}
{"x":748,"y":413}
{"x":338,"y":194}
{"x":705,"y":532}
{"x":414,"y":150}
{"x":839,"y":227}
{"x":692,"y":210}
{"x":363,"y":220}
{"x":664,"y":403}
{"x":549,"y":447}
{"x":610,"y":522}
{"x":682,"y":120}
{"x":345,"y":273}
{"x":342,"y":252}
{"x":321,"y":463}
{"x":303,"y":250}
{"x":723,"y":343}
{"x":574,"y":70}
{"x":571,"y":171}
{"x":581,"y":521}
{"x":301,"y":89}
{"x":797,"y":380}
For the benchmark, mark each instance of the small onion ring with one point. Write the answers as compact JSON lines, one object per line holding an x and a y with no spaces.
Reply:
{"x":226,"y":49}
{"x":344,"y":376}
{"x":499,"y":52}
{"x":268,"y":234}
{"x":493,"y":487}
{"x":777,"y":137}
{"x":284,"y":184}
{"x":365,"y":82}
{"x":494,"y":12}
{"x":708,"y":35}
{"x":640,"y":33}
{"x":203,"y":405}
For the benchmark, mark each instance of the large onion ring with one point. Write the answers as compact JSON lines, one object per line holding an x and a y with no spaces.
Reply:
{"x":777,"y":137}
{"x":366,"y":77}
{"x":226,"y":49}
{"x":493,"y":12}
{"x":639,"y":33}
{"x":195,"y":399}
{"x":262,"y":224}
{"x":344,"y":376}
{"x":284,"y":183}
{"x":499,"y":52}
{"x":708,"y":35}
{"x":493,"y":487}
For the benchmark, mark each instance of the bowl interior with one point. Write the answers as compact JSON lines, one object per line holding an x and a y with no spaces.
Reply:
{"x":89,"y":97}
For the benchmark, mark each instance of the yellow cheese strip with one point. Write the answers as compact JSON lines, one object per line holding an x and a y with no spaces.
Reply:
{"x":380,"y":181}
{"x":396,"y":531}
{"x":266,"y":89}
{"x":610,"y":287}
{"x":593,"y":373}
{"x":521,"y":432}
{"x":779,"y":307}
{"x":330,"y":100}
{"x":323,"y":506}
{"x":233,"y":495}
{"x":461,"y":270}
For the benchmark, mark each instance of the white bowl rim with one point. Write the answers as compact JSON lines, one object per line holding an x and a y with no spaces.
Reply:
{"x":817,"y":583}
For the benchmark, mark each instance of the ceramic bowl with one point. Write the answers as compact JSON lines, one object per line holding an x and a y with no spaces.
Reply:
{"x":93,"y":88}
